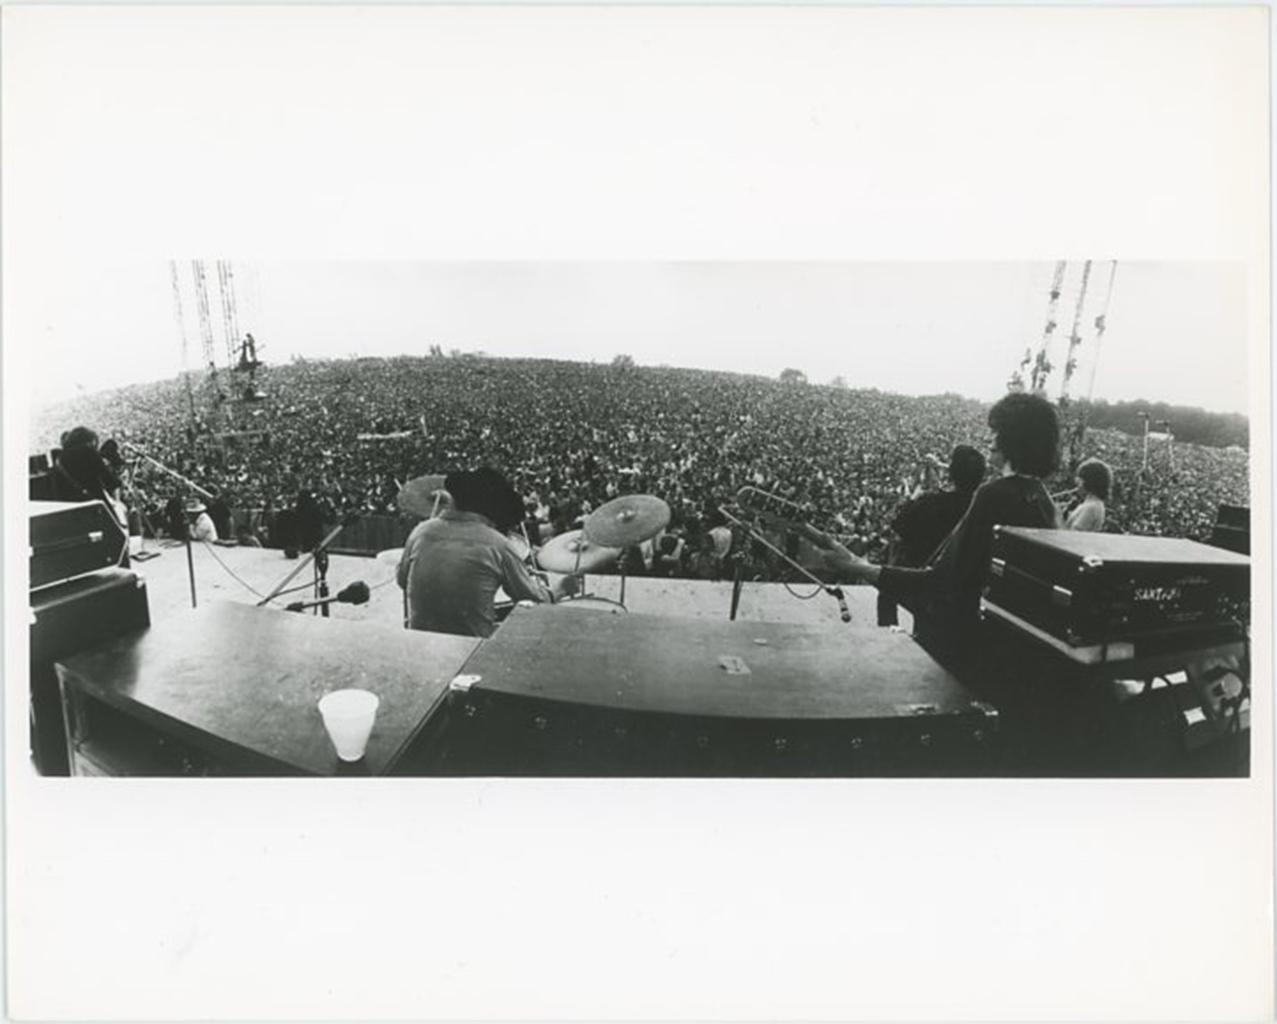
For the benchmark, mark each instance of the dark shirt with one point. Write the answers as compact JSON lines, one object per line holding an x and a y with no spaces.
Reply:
{"x":81,"y":474}
{"x":923,"y":524}
{"x":220,"y":513}
{"x":947,"y":592}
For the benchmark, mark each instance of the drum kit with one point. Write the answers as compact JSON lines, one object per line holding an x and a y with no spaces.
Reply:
{"x":622,"y":523}
{"x":601,"y":541}
{"x":424,"y":496}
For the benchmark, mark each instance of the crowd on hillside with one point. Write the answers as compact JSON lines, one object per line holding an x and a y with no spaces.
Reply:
{"x":571,"y":436}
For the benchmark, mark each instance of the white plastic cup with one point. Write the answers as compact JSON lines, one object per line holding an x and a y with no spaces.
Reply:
{"x":348,"y":716}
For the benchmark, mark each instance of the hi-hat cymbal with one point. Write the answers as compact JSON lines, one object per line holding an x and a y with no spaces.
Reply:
{"x":421,"y":495}
{"x":627,"y":520}
{"x":390,"y":555}
{"x":561,"y":554}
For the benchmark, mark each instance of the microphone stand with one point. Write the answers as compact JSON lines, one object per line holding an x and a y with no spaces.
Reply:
{"x":738,"y":584}
{"x":190,"y":558}
{"x":171,"y":472}
{"x":833,"y":591}
{"x":320,"y":549}
{"x":138,"y":497}
{"x":321,"y":581}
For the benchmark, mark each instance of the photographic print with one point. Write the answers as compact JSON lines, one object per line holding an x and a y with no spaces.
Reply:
{"x":654,"y":519}
{"x":637,"y":512}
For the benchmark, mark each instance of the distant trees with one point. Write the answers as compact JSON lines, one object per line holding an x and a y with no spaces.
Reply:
{"x":839,"y":382}
{"x":623,"y":361}
{"x":791,"y":376}
{"x":1189,"y":424}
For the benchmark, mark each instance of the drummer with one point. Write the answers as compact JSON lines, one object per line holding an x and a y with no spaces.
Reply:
{"x":453,"y":563}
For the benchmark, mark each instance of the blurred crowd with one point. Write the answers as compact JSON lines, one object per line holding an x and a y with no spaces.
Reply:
{"x":340,"y":437}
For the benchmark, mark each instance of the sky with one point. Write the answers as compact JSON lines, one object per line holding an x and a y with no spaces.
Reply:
{"x":1176,"y":332}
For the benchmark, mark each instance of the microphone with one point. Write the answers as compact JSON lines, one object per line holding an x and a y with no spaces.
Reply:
{"x":843,"y":610}
{"x":355,"y":593}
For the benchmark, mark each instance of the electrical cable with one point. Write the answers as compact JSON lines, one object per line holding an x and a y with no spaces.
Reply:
{"x":801,"y":597}
{"x":229,"y":571}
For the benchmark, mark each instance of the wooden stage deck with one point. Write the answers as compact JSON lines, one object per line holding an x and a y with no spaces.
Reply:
{"x":260,"y":569}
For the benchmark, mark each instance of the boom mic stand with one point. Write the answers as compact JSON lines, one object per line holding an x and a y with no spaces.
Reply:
{"x":186,"y":526}
{"x":321,"y":550}
{"x":833,"y":591}
{"x":171,"y":472}
{"x":137,"y":496}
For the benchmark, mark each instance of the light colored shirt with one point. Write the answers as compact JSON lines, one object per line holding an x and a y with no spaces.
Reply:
{"x":722,"y":538}
{"x":1088,"y":516}
{"x":451,"y":568}
{"x":203,"y":528}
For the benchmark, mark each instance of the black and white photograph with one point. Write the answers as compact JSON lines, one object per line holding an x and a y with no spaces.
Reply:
{"x":808,"y":520}
{"x":638,"y":512}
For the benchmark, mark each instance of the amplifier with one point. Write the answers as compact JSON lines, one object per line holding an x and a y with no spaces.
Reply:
{"x":1235,"y":516}
{"x":65,"y":619}
{"x":73,"y":538}
{"x":557,"y":693}
{"x":1092,"y":589}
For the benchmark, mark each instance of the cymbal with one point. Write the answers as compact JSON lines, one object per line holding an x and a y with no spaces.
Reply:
{"x":391,"y":555}
{"x":560,"y":554}
{"x":418,"y":496}
{"x":627,"y":520}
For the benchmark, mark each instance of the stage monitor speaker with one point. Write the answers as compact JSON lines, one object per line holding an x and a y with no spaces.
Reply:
{"x":66,"y":619}
{"x":71,"y":539}
{"x":557,"y":693}
{"x":1232,"y":529}
{"x":41,"y":487}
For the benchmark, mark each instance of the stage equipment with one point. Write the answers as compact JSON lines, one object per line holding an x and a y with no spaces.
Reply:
{"x":1160,"y":711}
{"x":72,"y":538}
{"x":423,"y":496}
{"x":354,"y":593}
{"x":575,"y":554}
{"x":66,"y":618}
{"x":191,"y":507}
{"x":778,"y":511}
{"x":319,"y":558}
{"x":627,"y":520}
{"x":640,"y":695}
{"x":1232,"y":529}
{"x":165,"y":469}
{"x":1101,"y":596}
{"x":229,"y":689}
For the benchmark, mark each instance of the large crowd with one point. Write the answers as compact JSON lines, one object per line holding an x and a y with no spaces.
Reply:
{"x":571,"y":436}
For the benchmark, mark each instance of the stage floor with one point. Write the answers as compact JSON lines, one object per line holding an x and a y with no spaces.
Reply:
{"x":245,"y":575}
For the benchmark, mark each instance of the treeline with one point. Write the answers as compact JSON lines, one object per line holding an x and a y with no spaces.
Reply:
{"x":1187,"y":423}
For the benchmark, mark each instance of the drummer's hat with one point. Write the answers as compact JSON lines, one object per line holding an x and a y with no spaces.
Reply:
{"x":488,"y":492}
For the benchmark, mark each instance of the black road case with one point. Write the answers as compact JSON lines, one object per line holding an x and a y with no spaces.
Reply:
{"x":65,"y":619}
{"x":1094,"y":589}
{"x":71,"y":539}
